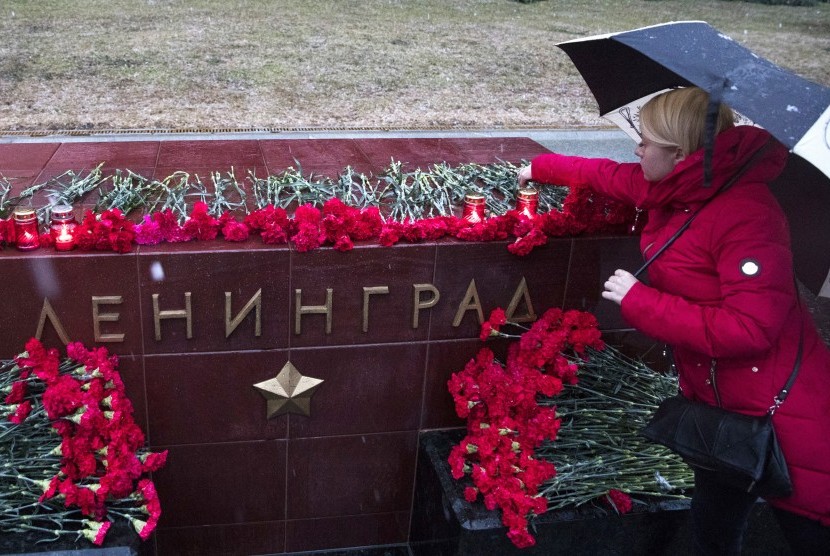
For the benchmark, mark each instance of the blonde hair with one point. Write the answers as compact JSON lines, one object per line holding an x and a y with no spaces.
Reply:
{"x":677,"y":118}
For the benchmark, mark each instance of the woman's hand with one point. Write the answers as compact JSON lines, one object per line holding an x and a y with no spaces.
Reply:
{"x":525,"y":176}
{"x":618,"y":285}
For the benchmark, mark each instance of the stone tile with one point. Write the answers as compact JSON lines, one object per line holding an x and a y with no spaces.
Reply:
{"x":201,"y":178}
{"x":59,"y":173}
{"x":55,"y":178}
{"x":212,"y":155}
{"x":214,"y":390}
{"x":222,"y":484}
{"x":115,"y":155}
{"x":351,"y":475}
{"x":25,"y":159}
{"x":205,"y":174}
{"x":497,"y":275}
{"x":74,"y":283}
{"x":58,"y":176}
{"x":92,"y":199}
{"x":131,"y":369}
{"x":490,"y":150}
{"x":412,"y":152}
{"x":50,"y":178}
{"x":445,"y":358}
{"x":360,"y":385}
{"x":228,"y":540}
{"x":207,"y":270}
{"x":348,"y":275}
{"x":320,"y":157}
{"x":18,"y":183}
{"x":594,"y":260}
{"x":350,"y":531}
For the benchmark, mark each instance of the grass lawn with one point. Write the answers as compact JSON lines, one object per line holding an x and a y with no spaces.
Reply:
{"x":173,"y":64}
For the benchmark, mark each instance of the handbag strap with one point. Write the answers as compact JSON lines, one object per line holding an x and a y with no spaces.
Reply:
{"x":747,"y":165}
{"x":785,"y":391}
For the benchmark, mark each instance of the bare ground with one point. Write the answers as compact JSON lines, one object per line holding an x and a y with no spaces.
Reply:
{"x":208,"y":64}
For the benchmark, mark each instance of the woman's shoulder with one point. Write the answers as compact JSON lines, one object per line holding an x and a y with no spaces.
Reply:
{"x":751,"y":195}
{"x":749,"y":208}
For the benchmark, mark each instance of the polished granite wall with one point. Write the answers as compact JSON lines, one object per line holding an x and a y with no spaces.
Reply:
{"x":237,"y":482}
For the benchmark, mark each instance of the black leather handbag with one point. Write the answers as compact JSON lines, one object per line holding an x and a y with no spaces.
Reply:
{"x":743,"y":450}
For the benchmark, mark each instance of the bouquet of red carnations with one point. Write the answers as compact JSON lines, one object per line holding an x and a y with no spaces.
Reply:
{"x":557,"y":424}
{"x":71,"y":457}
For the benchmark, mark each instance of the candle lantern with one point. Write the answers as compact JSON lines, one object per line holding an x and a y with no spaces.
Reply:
{"x":25,"y":229}
{"x":474,"y":208}
{"x":527,"y":202}
{"x":63,"y":227}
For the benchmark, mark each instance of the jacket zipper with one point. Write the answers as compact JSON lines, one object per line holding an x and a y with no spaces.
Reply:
{"x":714,"y":381}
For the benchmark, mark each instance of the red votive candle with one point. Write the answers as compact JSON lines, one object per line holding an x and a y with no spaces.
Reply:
{"x":527,"y":202}
{"x":25,"y":229}
{"x":62,"y":227}
{"x":473,"y":208}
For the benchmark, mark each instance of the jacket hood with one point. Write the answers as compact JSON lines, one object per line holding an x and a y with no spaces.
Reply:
{"x":733,"y":148}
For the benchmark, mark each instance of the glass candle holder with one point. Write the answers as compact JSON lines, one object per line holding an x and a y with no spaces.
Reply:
{"x":473,"y":208}
{"x":62,"y":228}
{"x":527,"y":202}
{"x":25,"y":229}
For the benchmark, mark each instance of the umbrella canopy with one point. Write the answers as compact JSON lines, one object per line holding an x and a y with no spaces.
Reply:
{"x":624,"y":70}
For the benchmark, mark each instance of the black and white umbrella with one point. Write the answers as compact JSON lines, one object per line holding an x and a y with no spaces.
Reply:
{"x":624,"y":70}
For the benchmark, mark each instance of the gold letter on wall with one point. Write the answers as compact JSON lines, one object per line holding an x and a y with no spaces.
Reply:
{"x":174,"y":314}
{"x":300,"y":310}
{"x":470,"y":302}
{"x":417,"y":304}
{"x":98,"y":317}
{"x":255,"y":301}
{"x":367,"y":291}
{"x":49,"y":312}
{"x":521,"y":294}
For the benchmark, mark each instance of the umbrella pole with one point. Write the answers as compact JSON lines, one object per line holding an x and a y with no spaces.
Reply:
{"x":712,"y":111}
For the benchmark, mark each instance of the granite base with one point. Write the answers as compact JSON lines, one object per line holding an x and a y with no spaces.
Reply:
{"x":121,"y":540}
{"x":445,"y":524}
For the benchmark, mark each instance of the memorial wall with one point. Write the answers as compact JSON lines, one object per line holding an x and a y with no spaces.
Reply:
{"x":289,"y":387}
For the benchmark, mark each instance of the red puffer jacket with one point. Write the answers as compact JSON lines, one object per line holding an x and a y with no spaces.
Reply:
{"x":724,"y":291}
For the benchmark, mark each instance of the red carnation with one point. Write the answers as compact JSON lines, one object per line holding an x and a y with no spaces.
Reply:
{"x":21,"y":411}
{"x":7,"y":234}
{"x":619,"y":501}
{"x":525,"y":244}
{"x":391,"y":233}
{"x":274,"y":234}
{"x":96,"y":531}
{"x":18,"y":392}
{"x":201,"y":225}
{"x":234,"y":231}
{"x":148,"y":232}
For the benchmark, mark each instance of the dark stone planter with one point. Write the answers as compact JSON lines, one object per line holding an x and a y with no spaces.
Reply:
{"x":445,"y":524}
{"x":121,"y":540}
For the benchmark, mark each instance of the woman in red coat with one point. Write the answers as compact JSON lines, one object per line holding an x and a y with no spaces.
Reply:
{"x":724,"y":297}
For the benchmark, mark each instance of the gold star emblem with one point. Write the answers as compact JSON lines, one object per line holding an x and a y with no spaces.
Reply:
{"x":288,"y":392}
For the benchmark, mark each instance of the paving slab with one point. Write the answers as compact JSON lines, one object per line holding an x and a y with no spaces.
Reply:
{"x":608,"y":143}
